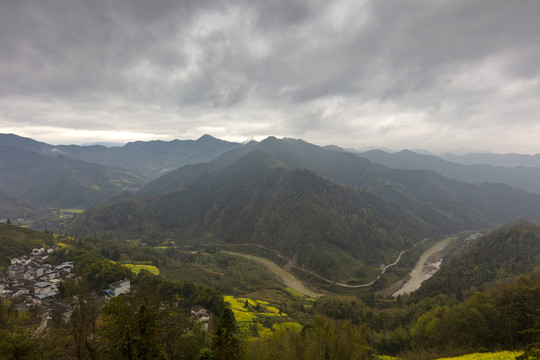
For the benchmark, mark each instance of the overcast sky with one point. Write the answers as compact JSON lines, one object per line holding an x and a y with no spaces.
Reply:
{"x":398,"y":74}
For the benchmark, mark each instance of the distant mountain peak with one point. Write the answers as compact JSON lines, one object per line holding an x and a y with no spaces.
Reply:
{"x":207,"y":137}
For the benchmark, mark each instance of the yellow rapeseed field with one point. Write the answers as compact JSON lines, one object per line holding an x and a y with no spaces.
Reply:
{"x":501,"y":355}
{"x":136,"y":268}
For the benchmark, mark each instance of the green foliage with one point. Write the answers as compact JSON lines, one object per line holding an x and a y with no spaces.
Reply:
{"x":499,"y":318}
{"x":321,"y":339}
{"x":16,"y":338}
{"x":132,"y":332}
{"x":97,"y":274}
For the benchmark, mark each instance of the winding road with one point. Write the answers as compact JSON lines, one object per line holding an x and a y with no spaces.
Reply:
{"x":272,"y":268}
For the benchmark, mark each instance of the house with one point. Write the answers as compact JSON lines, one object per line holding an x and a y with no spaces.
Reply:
{"x":52,"y":274}
{"x":119,"y":287}
{"x":52,"y":249}
{"x":16,"y":271}
{"x":39,"y":272}
{"x":42,"y":287}
{"x":22,"y":292}
{"x":6,"y":293}
{"x":64,"y":267}
{"x":199,"y":312}
{"x":36,"y":252}
{"x":49,"y":295}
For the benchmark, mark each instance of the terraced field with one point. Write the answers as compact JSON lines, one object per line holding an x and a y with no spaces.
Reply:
{"x":258,"y":318}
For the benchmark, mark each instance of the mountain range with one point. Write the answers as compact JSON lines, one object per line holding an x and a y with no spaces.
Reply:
{"x":447,"y":204}
{"x":334,"y":212}
{"x":519,"y":176}
{"x":149,"y":159}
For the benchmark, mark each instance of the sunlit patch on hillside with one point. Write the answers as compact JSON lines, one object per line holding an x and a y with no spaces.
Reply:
{"x":257,"y":318}
{"x":136,"y":268}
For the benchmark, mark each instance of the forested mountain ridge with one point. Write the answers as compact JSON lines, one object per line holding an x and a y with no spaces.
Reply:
{"x":150,"y":159}
{"x":502,"y":254}
{"x":60,"y":181}
{"x":449,"y":205}
{"x":525,"y":178}
{"x":328,"y":227}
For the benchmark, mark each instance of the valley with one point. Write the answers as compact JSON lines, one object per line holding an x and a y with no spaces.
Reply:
{"x":295,"y":239}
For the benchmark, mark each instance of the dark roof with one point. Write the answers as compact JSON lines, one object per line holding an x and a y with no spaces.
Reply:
{"x":46,"y":295}
{"x":60,"y":267}
{"x":118,"y":283}
{"x":42,"y":284}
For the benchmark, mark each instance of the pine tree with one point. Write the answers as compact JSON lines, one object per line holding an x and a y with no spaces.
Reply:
{"x":225,"y":344}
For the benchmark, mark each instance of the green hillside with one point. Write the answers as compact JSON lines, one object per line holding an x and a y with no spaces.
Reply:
{"x":328,"y":228}
{"x":502,"y":254}
{"x":17,"y":241}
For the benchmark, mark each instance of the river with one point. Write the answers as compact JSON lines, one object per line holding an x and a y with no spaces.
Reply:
{"x":288,"y":279}
{"x":424,"y":268}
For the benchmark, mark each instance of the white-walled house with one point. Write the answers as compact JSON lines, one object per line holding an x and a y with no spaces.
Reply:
{"x":42,"y":287}
{"x":119,"y":287}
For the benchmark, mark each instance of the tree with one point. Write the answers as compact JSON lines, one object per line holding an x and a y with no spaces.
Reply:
{"x":532,"y":351}
{"x":82,"y":326}
{"x":226,"y":345}
{"x":130,"y":333}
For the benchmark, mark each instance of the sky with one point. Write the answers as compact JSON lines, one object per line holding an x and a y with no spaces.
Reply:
{"x":436,"y":75}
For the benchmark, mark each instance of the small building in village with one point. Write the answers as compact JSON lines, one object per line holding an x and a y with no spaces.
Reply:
{"x":49,"y":295}
{"x":42,"y":287}
{"x":119,"y":287}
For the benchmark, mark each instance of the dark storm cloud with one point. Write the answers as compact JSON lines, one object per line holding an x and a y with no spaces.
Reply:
{"x":352,"y":69}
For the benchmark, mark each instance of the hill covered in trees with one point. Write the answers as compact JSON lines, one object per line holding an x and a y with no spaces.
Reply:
{"x":446,"y":204}
{"x":328,"y":228}
{"x":502,"y":254}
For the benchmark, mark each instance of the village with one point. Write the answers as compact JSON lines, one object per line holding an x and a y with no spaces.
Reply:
{"x":34,"y":284}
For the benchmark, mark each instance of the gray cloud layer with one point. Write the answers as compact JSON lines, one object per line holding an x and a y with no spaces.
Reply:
{"x":417,"y":74}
